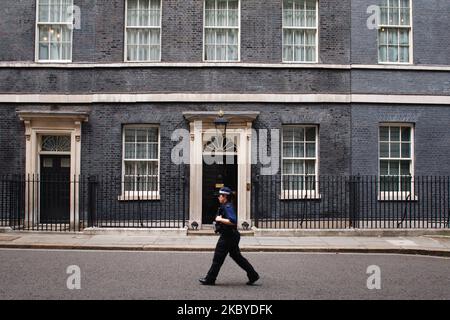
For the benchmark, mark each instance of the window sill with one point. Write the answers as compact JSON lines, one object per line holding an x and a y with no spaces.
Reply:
{"x":300,"y":196}
{"x":397,"y":196}
{"x":300,"y":62}
{"x":396,"y":63}
{"x":54,"y":61}
{"x":143,"y":197}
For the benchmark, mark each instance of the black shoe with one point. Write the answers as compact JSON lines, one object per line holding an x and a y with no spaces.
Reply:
{"x":207,"y":282}
{"x":253,"y":279}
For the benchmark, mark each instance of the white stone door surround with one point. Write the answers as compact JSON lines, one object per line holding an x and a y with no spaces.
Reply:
{"x":38,"y":123}
{"x":240,"y":124}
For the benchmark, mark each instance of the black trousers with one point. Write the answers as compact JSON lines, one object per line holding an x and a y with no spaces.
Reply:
{"x":229,"y":243}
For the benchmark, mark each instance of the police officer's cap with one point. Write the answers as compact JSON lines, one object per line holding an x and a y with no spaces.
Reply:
{"x":225,"y":190}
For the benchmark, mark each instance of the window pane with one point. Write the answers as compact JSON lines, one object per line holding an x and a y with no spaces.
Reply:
{"x":55,"y":51}
{"x":128,"y":183}
{"x":299,"y":166}
{"x":311,"y":134}
{"x":299,"y":53}
{"x":132,"y":14}
{"x":153,"y":134}
{"x":384,"y":16}
{"x":288,"y":38}
{"x":384,"y":168}
{"x":310,"y":150}
{"x":406,"y":134}
{"x":210,"y":53}
{"x":221,"y":51}
{"x":394,"y":168}
{"x":233,"y":18}
{"x":311,"y":183}
{"x":43,"y":51}
{"x":395,"y":150}
{"x":144,"y":37}
{"x":299,"y":134}
{"x":130,"y":168}
{"x":233,"y":37}
{"x":299,"y":150}
{"x":210,"y":37}
{"x":152,"y":184}
{"x":395,"y":133}
{"x":384,"y":134}
{"x":130,"y":135}
{"x":232,"y":54}
{"x":54,"y":12}
{"x":382,"y":37}
{"x":298,"y":18}
{"x":155,"y":12}
{"x":404,"y":37}
{"x":66,"y":53}
{"x":392,"y":54}
{"x":233,"y":4}
{"x":288,"y":149}
{"x":67,"y":11}
{"x":141,"y":151}
{"x":383,"y":53}
{"x":288,"y":53}
{"x":144,"y":7}
{"x":394,"y":16}
{"x":310,"y":167}
{"x":311,"y":18}
{"x":310,"y":53}
{"x":405,"y":168}
{"x":132,"y":37}
{"x":152,"y":151}
{"x":141,"y":168}
{"x":43,"y":11}
{"x":384,"y":150}
{"x":210,"y":4}
{"x":141,"y":135}
{"x":130,"y":152}
{"x":288,"y":166}
{"x":406,"y":150}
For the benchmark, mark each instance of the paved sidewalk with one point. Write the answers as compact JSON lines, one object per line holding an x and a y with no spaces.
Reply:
{"x":424,"y":245}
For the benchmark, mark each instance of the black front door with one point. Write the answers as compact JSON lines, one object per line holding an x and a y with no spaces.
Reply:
{"x":55,"y":189}
{"x":215,"y":176}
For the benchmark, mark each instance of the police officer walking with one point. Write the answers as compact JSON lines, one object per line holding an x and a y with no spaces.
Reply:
{"x":226,"y":222}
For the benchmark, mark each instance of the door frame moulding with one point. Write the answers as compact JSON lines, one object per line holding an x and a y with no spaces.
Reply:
{"x":38,"y":123}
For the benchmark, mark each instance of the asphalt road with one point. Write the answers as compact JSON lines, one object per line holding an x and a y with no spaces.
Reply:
{"x":40,"y":274}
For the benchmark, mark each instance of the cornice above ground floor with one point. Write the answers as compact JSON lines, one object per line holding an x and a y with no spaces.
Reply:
{"x":223,"y":98}
{"x":85,"y":65}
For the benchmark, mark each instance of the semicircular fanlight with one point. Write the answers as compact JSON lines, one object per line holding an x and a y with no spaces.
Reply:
{"x":56,"y":143}
{"x":215,"y":145}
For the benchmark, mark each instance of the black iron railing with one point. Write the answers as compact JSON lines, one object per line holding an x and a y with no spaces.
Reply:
{"x":55,"y":203}
{"x":327,"y":202}
{"x":339,"y":202}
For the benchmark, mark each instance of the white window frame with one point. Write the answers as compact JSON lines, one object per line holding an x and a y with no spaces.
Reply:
{"x":140,"y":195}
{"x":126,"y":27}
{"x":302,"y":193}
{"x":204,"y":35}
{"x":301,"y":28}
{"x":397,"y":195}
{"x":397,"y":27}
{"x":36,"y":39}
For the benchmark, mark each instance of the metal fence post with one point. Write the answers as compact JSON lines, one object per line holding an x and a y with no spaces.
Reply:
{"x":92,"y":195}
{"x":256,"y":200}
{"x":352,"y":198}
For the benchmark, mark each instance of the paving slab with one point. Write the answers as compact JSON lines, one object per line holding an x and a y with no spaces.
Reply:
{"x":430,"y":245}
